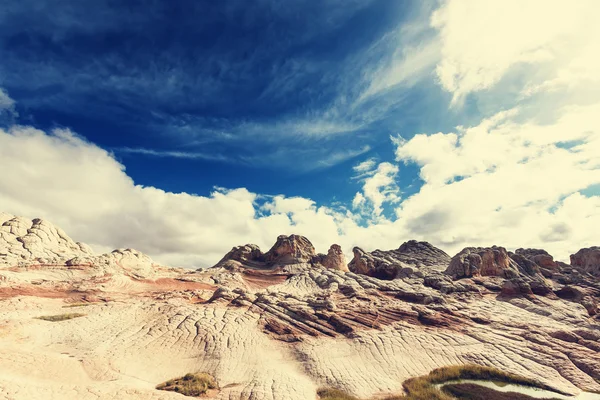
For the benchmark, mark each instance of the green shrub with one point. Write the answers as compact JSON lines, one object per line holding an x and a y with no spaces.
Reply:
{"x":190,"y":385}
{"x":423,"y":387}
{"x":334,"y":394}
{"x":470,"y":391}
{"x":60,"y":317}
{"x":76,"y":305}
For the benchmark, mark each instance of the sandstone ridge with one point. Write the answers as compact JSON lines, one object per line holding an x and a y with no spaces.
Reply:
{"x":292,"y":250}
{"x":275,"y":325}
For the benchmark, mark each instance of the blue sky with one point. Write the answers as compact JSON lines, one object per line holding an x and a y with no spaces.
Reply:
{"x":365,"y":113}
{"x":206,"y":94}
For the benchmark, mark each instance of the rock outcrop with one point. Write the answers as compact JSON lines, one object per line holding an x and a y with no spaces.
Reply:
{"x":25,"y":242}
{"x":334,"y":259}
{"x":290,"y":315}
{"x":408,"y":259}
{"x":36,"y":241}
{"x":293,"y":252}
{"x":482,"y":261}
{"x":587,"y":260}
{"x":287,"y":250}
{"x":292,"y":249}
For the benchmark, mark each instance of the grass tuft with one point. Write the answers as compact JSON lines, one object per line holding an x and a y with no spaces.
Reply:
{"x":60,"y":317}
{"x":470,"y":391}
{"x":334,"y":394}
{"x":76,"y":305}
{"x":423,"y":387}
{"x":190,"y":384}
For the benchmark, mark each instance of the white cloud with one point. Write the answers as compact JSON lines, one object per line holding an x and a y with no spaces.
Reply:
{"x":481,"y":41}
{"x":415,"y":52}
{"x":497,"y":183}
{"x":379,"y":187}
{"x":5,"y":101}
{"x":84,"y":190}
{"x":359,"y":201}
{"x":173,"y":154}
{"x":365,"y":166}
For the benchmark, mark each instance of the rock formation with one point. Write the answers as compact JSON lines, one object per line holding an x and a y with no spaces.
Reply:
{"x":280,"y":324}
{"x":408,"y":259}
{"x":587,"y":260}
{"x":293,"y":249}
{"x":289,"y":253}
{"x":334,"y":259}
{"x":25,"y":240}
{"x":482,"y":261}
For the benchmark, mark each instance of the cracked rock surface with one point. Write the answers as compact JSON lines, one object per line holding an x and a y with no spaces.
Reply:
{"x":279,"y":325}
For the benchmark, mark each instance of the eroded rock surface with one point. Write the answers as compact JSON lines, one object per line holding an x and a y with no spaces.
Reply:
{"x":482,"y":261}
{"x":26,"y":241}
{"x":289,"y":254}
{"x":280,"y":324}
{"x":334,"y":259}
{"x":408,"y":259}
{"x":587,"y":260}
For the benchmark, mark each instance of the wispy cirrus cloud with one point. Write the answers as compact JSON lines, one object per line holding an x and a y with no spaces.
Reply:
{"x":5,"y":101}
{"x":173,"y":154}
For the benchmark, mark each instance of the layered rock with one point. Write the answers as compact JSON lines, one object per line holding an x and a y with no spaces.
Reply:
{"x":587,"y":260}
{"x":408,"y":259}
{"x":334,"y":259}
{"x":288,"y":253}
{"x":292,"y":249}
{"x":128,"y":260}
{"x":482,"y":261}
{"x":303,"y":311}
{"x":25,"y":241}
{"x":248,"y":254}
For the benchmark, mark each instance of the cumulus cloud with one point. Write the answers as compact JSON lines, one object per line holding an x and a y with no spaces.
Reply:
{"x":505,"y":182}
{"x":516,"y":178}
{"x":379,"y":187}
{"x":365,"y":166}
{"x":83,"y":189}
{"x":483,"y":41}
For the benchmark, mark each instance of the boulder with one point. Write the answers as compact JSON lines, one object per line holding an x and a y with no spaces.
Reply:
{"x":412,"y":258}
{"x":287,"y":250}
{"x":587,"y":260}
{"x":334,"y":259}
{"x":482,"y":261}
{"x":516,"y":287}
{"x":246,"y":254}
{"x":292,"y":249}
{"x":365,"y":263}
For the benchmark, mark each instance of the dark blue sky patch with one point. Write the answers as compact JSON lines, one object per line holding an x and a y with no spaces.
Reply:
{"x":196,"y":94}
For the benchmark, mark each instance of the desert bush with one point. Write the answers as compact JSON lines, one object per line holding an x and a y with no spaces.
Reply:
{"x":470,"y":391}
{"x":334,"y":394}
{"x":473,"y":371}
{"x":423,"y":387}
{"x":190,"y":384}
{"x":60,"y":317}
{"x":76,"y":305}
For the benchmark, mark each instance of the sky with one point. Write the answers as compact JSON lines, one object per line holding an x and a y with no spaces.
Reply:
{"x":185,"y":128}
